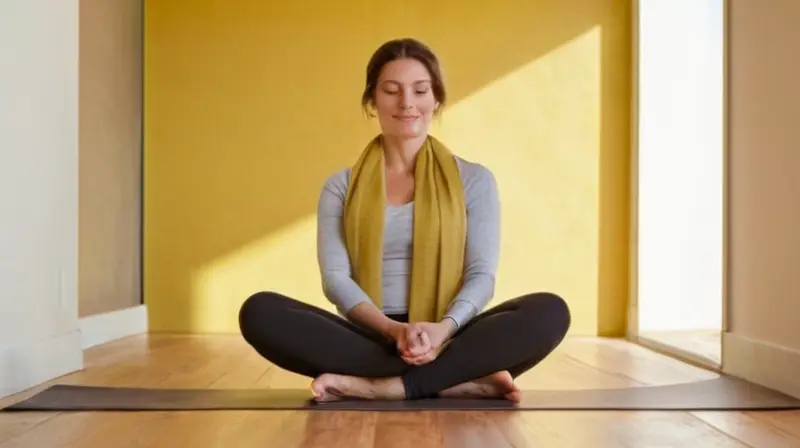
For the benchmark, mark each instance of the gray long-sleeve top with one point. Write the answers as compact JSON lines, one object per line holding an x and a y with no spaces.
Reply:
{"x":481,"y":257}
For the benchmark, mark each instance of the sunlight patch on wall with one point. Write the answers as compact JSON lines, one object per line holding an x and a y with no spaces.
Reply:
{"x":284,"y":261}
{"x":538,"y":130}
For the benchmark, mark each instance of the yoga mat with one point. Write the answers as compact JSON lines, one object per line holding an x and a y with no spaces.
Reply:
{"x":724,"y":393}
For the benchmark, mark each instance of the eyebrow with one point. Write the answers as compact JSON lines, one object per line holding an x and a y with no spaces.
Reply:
{"x":420,"y":81}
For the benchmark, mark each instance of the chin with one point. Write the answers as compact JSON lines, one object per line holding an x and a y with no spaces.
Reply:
{"x":407,"y":133}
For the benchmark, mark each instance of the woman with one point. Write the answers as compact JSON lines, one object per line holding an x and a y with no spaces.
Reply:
{"x":413,"y":326}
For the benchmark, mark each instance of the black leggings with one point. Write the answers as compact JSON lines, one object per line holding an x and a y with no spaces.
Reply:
{"x":514,"y":336}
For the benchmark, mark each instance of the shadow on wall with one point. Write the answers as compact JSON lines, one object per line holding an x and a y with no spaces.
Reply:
{"x":249,"y":109}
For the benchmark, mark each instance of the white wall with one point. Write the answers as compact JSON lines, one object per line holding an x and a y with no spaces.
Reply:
{"x":680,"y":166}
{"x":39,"y":337}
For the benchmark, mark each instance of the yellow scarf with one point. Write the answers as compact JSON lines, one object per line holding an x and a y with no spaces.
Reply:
{"x":440,"y":226}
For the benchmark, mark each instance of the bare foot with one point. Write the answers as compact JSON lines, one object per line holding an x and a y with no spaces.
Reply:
{"x":498,"y":384}
{"x":332,"y":387}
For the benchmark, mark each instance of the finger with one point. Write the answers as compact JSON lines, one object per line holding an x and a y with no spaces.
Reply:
{"x":413,"y":332}
{"x":424,"y":359}
{"x":426,"y":341}
{"x":402,"y":345}
{"x":418,"y":342}
{"x":423,"y":344}
{"x":421,"y":359}
{"x":410,"y":358}
{"x":411,"y":342}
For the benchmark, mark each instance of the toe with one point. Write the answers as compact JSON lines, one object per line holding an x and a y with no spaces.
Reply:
{"x":514,"y":396}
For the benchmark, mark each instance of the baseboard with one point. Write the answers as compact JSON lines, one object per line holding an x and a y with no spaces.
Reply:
{"x":762,"y":363}
{"x":101,"y":328}
{"x":29,"y":364}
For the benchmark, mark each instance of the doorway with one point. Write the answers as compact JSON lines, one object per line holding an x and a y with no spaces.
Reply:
{"x":677,"y":295}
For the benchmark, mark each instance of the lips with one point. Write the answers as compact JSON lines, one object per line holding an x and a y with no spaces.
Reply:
{"x":406,"y":118}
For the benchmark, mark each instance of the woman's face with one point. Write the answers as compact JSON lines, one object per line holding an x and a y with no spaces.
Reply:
{"x":404,"y":99}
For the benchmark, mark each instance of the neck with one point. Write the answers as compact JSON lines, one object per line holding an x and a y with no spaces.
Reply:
{"x":401,"y":153}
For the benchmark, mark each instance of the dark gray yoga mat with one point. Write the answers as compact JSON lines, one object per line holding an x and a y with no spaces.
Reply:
{"x":724,"y":393}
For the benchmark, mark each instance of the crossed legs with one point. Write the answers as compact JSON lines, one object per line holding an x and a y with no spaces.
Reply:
{"x":494,"y":347}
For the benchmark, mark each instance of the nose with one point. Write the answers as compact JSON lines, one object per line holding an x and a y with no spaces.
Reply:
{"x":405,"y":100}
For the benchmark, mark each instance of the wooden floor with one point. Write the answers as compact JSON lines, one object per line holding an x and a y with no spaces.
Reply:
{"x":226,"y":362}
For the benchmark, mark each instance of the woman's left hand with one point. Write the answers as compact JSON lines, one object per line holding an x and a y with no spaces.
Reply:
{"x":432,"y":336}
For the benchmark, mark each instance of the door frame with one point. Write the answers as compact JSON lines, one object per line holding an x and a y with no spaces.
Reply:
{"x":632,"y":327}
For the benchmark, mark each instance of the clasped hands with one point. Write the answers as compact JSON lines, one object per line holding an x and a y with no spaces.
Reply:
{"x":421,"y":342}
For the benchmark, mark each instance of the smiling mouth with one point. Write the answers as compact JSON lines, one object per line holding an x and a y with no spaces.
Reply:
{"x":407,"y":119}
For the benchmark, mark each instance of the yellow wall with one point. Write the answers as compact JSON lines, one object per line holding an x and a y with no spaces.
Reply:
{"x":249,"y":108}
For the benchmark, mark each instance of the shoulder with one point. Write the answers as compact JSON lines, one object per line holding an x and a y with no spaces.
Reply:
{"x":478,"y":180}
{"x":337,"y":183}
{"x":333,"y":193}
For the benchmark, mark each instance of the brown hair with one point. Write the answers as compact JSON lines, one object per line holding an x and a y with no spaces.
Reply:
{"x":401,"y":49}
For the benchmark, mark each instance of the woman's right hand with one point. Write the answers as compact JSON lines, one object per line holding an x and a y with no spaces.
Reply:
{"x":410,"y":341}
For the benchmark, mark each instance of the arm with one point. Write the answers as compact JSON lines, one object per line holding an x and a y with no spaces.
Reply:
{"x":483,"y":245}
{"x":367,"y":314}
{"x":334,"y":262}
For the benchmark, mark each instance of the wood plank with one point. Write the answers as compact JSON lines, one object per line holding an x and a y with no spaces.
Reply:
{"x":750,"y":429}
